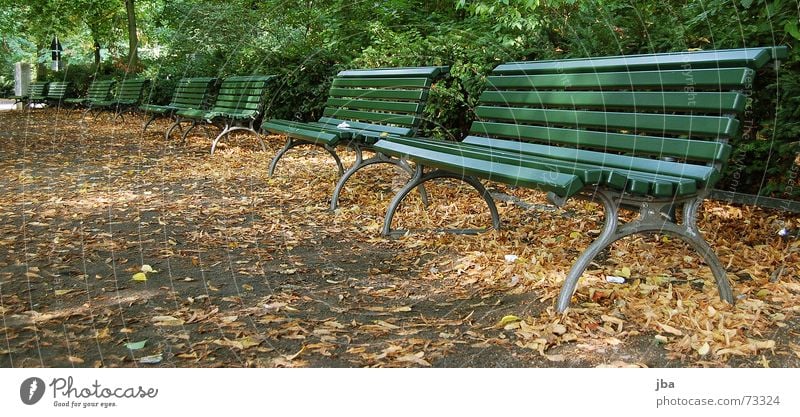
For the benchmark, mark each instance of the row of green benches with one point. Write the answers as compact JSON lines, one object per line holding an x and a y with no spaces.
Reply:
{"x":647,"y":133}
{"x":43,"y":92}
{"x":641,"y":132}
{"x":100,"y":96}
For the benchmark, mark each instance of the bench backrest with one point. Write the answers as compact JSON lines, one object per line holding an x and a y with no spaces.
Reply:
{"x":99,"y":90}
{"x":384,"y":100}
{"x":243,"y":94}
{"x":192,"y":93}
{"x":131,"y":89}
{"x":682,"y":106}
{"x":57,"y":90}
{"x":37,"y":89}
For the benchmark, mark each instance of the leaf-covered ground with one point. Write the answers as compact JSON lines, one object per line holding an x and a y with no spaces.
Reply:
{"x":256,"y":271}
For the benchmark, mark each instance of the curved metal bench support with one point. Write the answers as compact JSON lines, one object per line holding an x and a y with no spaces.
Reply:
{"x":176,"y":123}
{"x":291,"y":143}
{"x":232,"y":127}
{"x":419,"y":178}
{"x":186,"y":132}
{"x":378,"y":158}
{"x":653,"y":218}
{"x":153,"y":117}
{"x":118,"y":113}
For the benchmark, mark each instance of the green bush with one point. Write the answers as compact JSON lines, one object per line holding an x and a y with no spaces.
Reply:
{"x":6,"y":86}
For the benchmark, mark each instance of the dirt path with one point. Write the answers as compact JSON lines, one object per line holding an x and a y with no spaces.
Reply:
{"x":255,"y":271}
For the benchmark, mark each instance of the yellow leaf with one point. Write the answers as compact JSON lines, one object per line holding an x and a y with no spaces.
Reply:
{"x":167,"y":321}
{"x":625,"y":272}
{"x":62,"y":292}
{"x":669,"y":329}
{"x":139,"y":276}
{"x":574,"y":235}
{"x":508,"y":319}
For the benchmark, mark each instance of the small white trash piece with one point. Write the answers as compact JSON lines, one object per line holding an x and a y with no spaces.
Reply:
{"x":511,"y":258}
{"x":615,"y":279}
{"x":343,"y":125}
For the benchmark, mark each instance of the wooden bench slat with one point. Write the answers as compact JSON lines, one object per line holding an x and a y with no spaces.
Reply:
{"x":397,"y":83}
{"x":389,"y":118}
{"x":704,"y":102}
{"x":702,"y":173}
{"x":391,"y":106}
{"x":388,"y":94}
{"x":750,"y":57}
{"x":395,"y":130}
{"x":710,"y":78}
{"x":713,"y":126}
{"x":696,"y":150}
{"x":420,"y":72}
{"x":545,"y":180}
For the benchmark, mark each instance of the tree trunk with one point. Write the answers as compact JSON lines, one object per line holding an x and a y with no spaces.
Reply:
{"x":133,"y":39}
{"x":41,"y":67}
{"x":96,"y":54}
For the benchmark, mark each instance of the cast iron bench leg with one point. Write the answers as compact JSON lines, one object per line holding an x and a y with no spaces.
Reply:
{"x":231,"y":127}
{"x":419,"y":179}
{"x":378,"y":158}
{"x":653,"y":218}
{"x":291,"y":143}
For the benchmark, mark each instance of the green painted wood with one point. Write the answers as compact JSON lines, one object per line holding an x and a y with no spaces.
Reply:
{"x":388,"y":106}
{"x":304,"y":133}
{"x":712,"y":78}
{"x":394,"y":130}
{"x":388,"y":94}
{"x":587,"y":174}
{"x":37,"y":88}
{"x":701,"y":173}
{"x":723,"y":58}
{"x":642,"y":145}
{"x":99,"y":90}
{"x":563,"y":185}
{"x":620,"y":179}
{"x":705,"y":102}
{"x":405,"y":72}
{"x":389,"y":118}
{"x":382,"y":82}
{"x":239,"y":97}
{"x":714,"y":126}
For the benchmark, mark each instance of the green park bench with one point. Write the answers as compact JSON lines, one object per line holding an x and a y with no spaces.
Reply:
{"x":99,"y":90}
{"x":643,"y":132}
{"x":35,"y":89}
{"x":56,"y":92}
{"x":363,"y":104}
{"x":128,"y":97}
{"x":239,"y":105}
{"x":190,"y":93}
